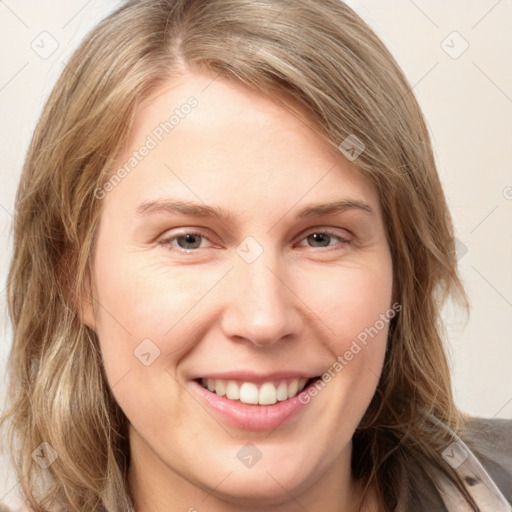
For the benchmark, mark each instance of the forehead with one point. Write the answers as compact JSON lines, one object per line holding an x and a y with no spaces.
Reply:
{"x":216,"y":141}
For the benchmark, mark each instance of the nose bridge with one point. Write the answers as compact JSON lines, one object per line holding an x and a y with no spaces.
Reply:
{"x":260,"y":307}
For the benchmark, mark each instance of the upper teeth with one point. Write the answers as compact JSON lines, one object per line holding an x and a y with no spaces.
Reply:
{"x":267,"y":393}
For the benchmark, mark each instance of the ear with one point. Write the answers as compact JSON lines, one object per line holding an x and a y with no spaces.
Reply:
{"x":86,"y":303}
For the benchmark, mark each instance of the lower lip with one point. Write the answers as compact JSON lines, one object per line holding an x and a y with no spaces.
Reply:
{"x":250,"y":417}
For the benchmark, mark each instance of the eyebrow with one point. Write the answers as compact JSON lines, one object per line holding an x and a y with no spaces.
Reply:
{"x":203,"y":210}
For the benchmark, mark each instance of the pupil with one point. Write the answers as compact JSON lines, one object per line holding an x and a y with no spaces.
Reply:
{"x":189,"y":239}
{"x":321,"y":238}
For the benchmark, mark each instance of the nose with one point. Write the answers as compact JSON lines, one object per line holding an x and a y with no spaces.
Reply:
{"x":261,"y":307}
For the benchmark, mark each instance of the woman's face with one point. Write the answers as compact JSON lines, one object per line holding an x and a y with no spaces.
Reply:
{"x":218,"y":263}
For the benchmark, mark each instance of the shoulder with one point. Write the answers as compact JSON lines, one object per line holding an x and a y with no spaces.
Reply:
{"x":489,"y":457}
{"x":491,"y":439}
{"x":491,"y":442}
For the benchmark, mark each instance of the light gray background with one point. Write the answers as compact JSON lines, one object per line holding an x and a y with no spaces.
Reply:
{"x":468,"y":105}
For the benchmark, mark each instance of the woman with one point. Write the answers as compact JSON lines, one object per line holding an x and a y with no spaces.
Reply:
{"x":231,"y":251}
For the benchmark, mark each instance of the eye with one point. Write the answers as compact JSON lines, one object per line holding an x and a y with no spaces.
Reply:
{"x":324,"y":238}
{"x":189,"y":241}
{"x":185,"y":242}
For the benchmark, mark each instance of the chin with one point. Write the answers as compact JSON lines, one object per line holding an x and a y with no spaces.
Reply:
{"x":270,"y":481}
{"x":258,"y":488}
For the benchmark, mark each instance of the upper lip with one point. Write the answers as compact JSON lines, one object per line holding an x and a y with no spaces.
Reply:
{"x":248,"y":376}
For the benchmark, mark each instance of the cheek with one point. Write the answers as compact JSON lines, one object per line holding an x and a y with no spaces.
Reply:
{"x":148,"y":312}
{"x":142,"y":296}
{"x":350,"y":298}
{"x":355,"y":306}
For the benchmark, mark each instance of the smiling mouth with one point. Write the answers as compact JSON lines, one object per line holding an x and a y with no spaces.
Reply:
{"x":266,"y":393}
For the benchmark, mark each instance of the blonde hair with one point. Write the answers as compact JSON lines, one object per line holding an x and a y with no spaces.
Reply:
{"x":335,"y":69}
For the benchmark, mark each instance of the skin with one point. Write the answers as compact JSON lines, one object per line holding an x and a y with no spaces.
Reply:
{"x":298,"y":306}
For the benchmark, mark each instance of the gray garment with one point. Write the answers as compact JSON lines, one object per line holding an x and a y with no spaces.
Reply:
{"x":487,"y":472}
{"x":482,"y":457}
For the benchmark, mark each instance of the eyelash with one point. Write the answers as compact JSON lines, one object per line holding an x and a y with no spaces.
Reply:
{"x":167,"y":242}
